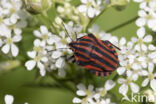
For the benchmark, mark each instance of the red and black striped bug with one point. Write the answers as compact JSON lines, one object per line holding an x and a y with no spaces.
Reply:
{"x":96,"y":55}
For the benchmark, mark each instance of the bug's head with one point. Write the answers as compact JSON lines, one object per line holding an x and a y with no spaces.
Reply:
{"x":71,"y":45}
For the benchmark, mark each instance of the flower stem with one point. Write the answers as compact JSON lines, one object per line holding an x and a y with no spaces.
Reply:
{"x":53,"y":29}
{"x":121,"y":25}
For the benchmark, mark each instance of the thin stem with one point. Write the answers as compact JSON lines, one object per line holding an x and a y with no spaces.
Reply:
{"x":121,"y":25}
{"x":52,"y":26}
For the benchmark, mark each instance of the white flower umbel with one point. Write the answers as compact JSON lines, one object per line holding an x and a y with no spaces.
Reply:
{"x":129,"y":81}
{"x":12,"y":19}
{"x":68,"y":11}
{"x":91,"y":8}
{"x":151,"y":77}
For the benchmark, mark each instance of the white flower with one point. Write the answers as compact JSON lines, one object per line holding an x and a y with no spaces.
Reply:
{"x":90,"y":7}
{"x":9,"y":99}
{"x":144,"y":18}
{"x":44,"y":34}
{"x":38,"y":57}
{"x":9,"y":41}
{"x":103,"y":91}
{"x":82,"y":91}
{"x":142,"y":39}
{"x":151,"y":77}
{"x":126,"y":82}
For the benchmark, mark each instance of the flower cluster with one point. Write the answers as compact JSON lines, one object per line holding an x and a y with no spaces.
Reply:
{"x":91,"y":96}
{"x":12,"y":19}
{"x":135,"y":57}
{"x":50,"y":50}
{"x":147,"y":14}
{"x":91,"y":8}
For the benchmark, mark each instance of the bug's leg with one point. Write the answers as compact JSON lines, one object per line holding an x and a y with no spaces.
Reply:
{"x":70,"y":58}
{"x":113,"y":45}
{"x":74,"y":61}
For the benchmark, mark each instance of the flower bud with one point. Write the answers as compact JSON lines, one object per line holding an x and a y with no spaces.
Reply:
{"x":119,"y":4}
{"x":37,"y":6}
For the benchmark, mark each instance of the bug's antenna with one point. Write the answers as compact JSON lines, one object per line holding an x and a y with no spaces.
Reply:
{"x":56,"y":49}
{"x":67,"y":32}
{"x":76,"y":35}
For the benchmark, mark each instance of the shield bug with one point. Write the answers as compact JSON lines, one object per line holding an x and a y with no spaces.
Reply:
{"x":95,"y":55}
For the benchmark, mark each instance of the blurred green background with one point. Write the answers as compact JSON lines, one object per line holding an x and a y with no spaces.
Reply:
{"x":15,"y":82}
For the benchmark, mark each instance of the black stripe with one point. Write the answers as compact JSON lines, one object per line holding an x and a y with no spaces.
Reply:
{"x":99,"y":44}
{"x":92,"y":64}
{"x":97,"y":50}
{"x":87,"y":40}
{"x":82,"y":56}
{"x":111,"y":47}
{"x":96,"y":57}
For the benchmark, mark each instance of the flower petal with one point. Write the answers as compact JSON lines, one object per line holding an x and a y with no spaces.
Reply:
{"x":151,"y":47}
{"x":60,"y":63}
{"x":77,"y":100}
{"x":147,"y":38}
{"x":84,"y":1}
{"x":121,"y":70}
{"x":14,"y":50}
{"x":144,"y":47}
{"x":123,"y":89}
{"x":81,"y":93}
{"x":121,"y":80}
{"x":141,"y":32}
{"x":153,"y":84}
{"x":30,"y":64}
{"x":17,"y":31}
{"x":56,"y":54}
{"x":150,"y":67}
{"x":81,"y":86}
{"x":6,"y":48}
{"x":134,"y":87}
{"x":122,"y":41}
{"x":31,"y":54}
{"x":90,"y":87}
{"x":37,"y":33}
{"x":91,"y":12}
{"x":9,"y":99}
{"x":82,"y":8}
{"x":145,"y":82}
{"x":144,"y":73}
{"x":140,"y":22}
{"x":109,"y":85}
{"x":17,"y":38}
{"x":44,"y":30}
